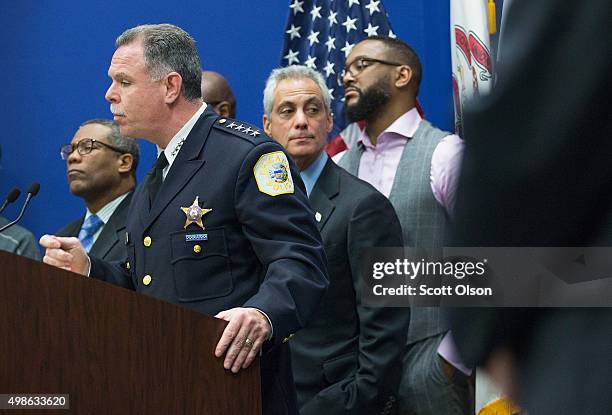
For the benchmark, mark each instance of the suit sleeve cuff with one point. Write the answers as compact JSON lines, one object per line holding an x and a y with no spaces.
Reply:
{"x":269,"y":322}
{"x":88,"y":266}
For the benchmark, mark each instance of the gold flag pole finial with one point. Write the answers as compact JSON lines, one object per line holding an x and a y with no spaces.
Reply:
{"x":492,"y":17}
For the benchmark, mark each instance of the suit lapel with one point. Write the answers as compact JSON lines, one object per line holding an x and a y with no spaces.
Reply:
{"x":72,"y":229}
{"x":114,"y":230}
{"x":325,"y":190}
{"x":105,"y":241}
{"x":139,"y":208}
{"x":188,"y":161}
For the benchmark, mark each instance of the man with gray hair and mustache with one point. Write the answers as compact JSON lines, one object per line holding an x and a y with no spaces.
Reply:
{"x":348,"y":359}
{"x":221,"y":225}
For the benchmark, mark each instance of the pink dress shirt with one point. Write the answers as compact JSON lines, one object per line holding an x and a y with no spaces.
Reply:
{"x":379,"y":163}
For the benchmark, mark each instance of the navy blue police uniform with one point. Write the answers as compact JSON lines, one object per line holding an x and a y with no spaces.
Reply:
{"x":259,"y":248}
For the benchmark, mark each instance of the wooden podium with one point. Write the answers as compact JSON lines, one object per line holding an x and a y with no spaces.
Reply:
{"x":113,"y":351}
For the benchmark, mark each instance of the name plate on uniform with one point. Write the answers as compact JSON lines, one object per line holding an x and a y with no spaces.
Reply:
{"x":196,"y":237}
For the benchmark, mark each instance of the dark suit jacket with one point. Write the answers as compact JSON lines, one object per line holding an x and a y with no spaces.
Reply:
{"x":348,"y":359}
{"x":256,"y":250}
{"x":110,"y":245}
{"x":537,"y":172}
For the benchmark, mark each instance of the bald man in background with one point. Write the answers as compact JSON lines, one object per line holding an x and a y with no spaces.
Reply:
{"x":217,"y":92}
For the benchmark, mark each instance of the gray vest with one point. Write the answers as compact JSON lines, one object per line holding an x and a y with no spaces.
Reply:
{"x":424,"y":221}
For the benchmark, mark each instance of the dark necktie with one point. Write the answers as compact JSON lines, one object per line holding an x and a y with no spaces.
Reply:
{"x":157,"y":177}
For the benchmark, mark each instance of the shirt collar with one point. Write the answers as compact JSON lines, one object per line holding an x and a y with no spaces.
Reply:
{"x":173,"y":147}
{"x":311,"y":174}
{"x":107,"y":210}
{"x":402,"y":128}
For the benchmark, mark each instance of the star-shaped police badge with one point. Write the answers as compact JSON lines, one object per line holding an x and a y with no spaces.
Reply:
{"x":194,"y":214}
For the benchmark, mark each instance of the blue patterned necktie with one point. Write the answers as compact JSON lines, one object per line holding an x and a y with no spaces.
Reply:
{"x":91,"y":225}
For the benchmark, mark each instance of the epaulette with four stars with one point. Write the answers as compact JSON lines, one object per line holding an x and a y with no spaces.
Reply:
{"x":238,"y":128}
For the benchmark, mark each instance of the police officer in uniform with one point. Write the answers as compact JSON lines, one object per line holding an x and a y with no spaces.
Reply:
{"x":222,"y":223}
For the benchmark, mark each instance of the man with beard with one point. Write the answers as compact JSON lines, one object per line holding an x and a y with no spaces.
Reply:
{"x":101,"y":167}
{"x":416,"y":166}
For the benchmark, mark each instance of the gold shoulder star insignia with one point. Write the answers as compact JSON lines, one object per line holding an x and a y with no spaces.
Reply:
{"x":194,"y":214}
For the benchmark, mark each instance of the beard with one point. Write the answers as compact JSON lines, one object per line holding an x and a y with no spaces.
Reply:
{"x":370,"y":102}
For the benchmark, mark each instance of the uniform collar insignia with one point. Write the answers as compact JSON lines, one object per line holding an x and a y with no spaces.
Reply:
{"x":248,"y":130}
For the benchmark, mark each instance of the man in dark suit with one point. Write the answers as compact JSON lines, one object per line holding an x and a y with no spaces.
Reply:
{"x":537,"y":172}
{"x":222,"y":224}
{"x":348,"y":359}
{"x":101,"y":167}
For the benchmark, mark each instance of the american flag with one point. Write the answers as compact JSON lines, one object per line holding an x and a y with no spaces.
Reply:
{"x":320,"y":34}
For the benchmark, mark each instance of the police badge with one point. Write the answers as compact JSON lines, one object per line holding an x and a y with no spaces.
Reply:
{"x":273,"y":175}
{"x":194,"y":214}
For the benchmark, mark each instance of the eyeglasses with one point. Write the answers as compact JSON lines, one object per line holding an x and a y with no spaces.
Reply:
{"x":85,"y":146}
{"x":359,"y":64}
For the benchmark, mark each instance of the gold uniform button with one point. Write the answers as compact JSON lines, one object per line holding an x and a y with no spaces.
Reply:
{"x":222,"y":121}
{"x":147,"y":241}
{"x":146,"y":280}
{"x":197,"y":249}
{"x":127,"y":265}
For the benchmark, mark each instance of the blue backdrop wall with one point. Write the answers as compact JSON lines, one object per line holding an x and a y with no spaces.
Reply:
{"x":56,"y":55}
